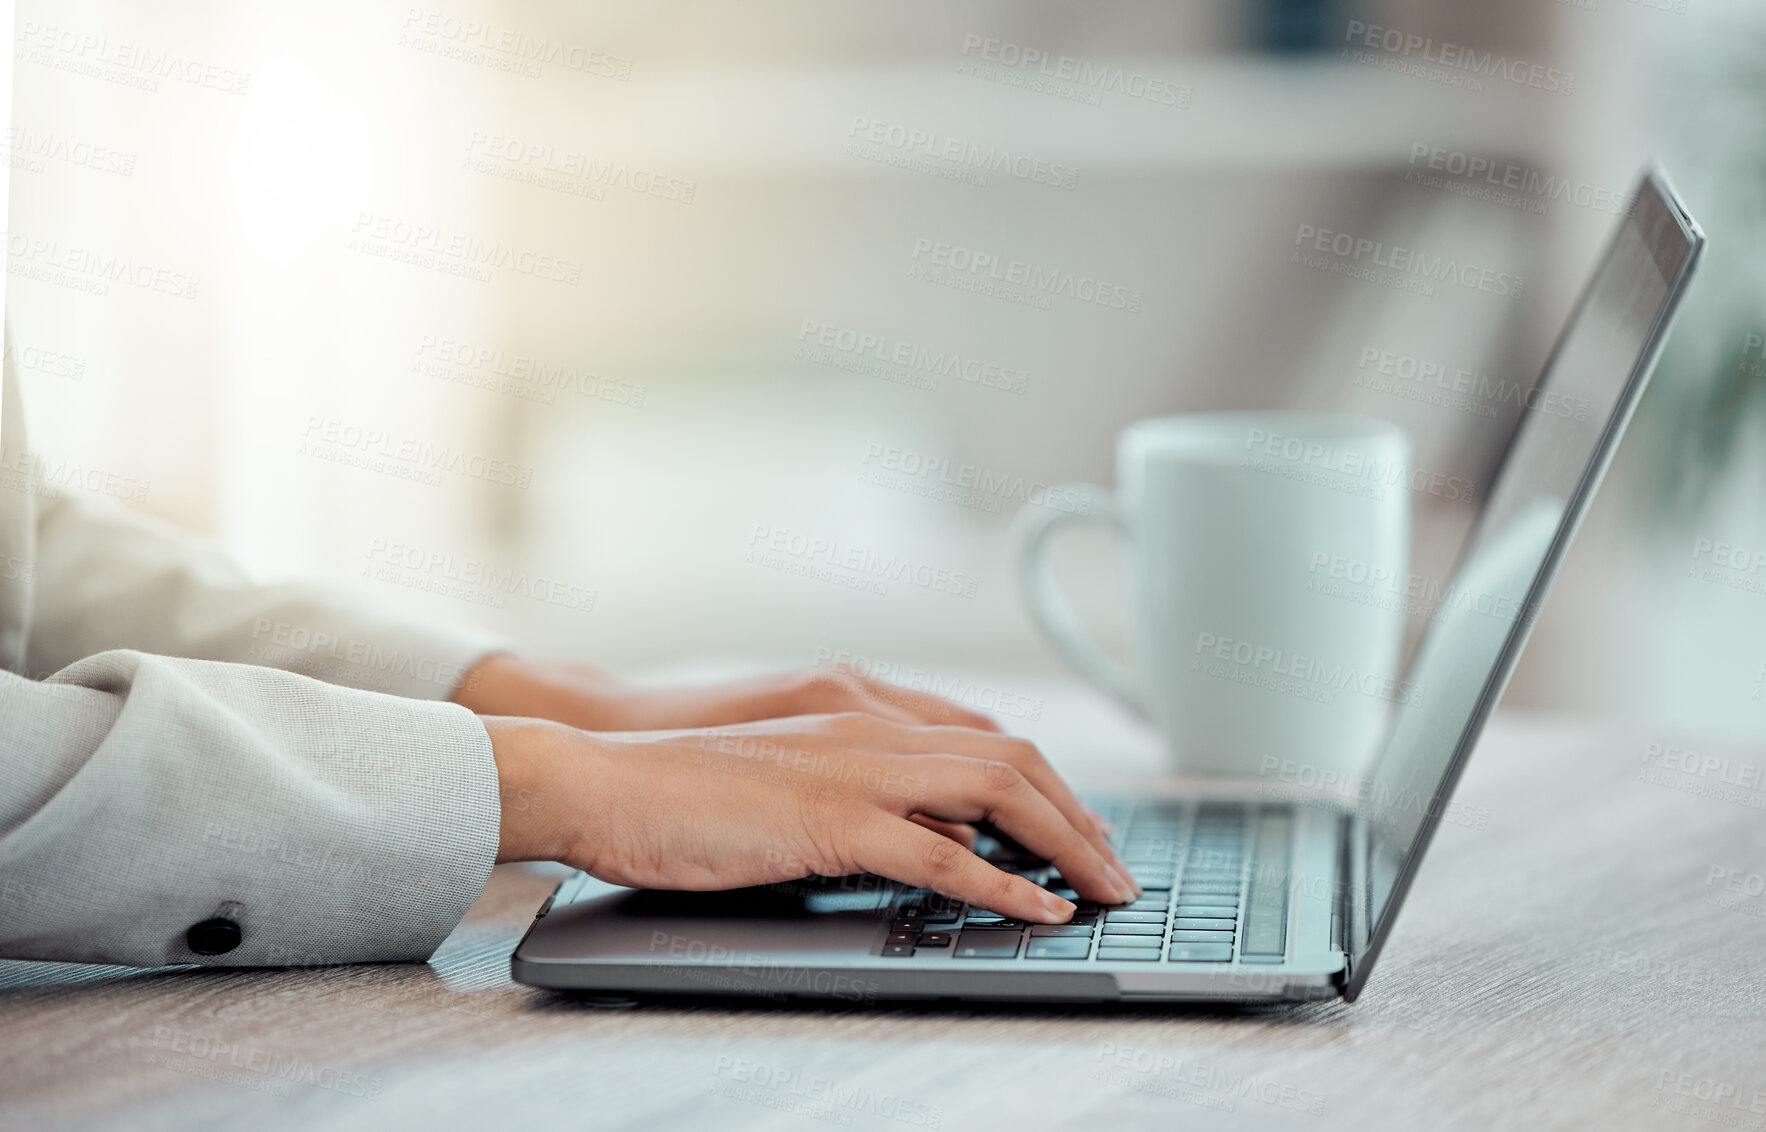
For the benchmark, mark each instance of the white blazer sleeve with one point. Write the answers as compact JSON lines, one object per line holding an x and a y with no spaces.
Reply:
{"x":178,"y":809}
{"x":105,"y":578}
{"x":81,"y":575}
{"x":157,"y":810}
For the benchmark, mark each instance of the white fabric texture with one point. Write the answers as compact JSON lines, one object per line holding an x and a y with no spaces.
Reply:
{"x":178,"y":744}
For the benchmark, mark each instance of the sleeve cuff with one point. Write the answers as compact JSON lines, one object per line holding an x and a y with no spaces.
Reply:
{"x":305,"y":824}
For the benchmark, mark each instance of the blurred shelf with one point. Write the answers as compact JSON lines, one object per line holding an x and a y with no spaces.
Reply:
{"x":1244,"y":113}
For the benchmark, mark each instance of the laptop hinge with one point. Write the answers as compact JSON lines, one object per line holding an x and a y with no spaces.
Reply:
{"x":1347,"y":913}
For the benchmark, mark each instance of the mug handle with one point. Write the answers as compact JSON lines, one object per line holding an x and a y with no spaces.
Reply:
{"x":1049,"y":607}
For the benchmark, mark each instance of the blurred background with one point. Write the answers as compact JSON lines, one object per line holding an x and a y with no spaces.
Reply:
{"x":549,"y":316}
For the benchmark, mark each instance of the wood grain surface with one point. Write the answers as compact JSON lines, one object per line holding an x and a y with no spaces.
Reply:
{"x":1581,"y":962}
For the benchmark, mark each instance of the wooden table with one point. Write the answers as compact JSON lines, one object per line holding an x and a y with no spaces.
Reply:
{"x":1581,"y":962}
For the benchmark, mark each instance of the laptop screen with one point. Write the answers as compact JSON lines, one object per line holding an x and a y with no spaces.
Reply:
{"x":1554,"y":459}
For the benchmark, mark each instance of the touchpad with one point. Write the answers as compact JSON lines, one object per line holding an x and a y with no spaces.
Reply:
{"x":832,"y":917}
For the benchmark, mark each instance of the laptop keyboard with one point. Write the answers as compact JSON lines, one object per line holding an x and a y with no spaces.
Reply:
{"x":1214,"y":880}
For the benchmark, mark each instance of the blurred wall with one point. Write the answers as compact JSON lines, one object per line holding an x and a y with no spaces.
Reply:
{"x":550,"y":316}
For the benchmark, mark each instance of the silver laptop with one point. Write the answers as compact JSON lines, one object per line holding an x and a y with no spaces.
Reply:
{"x":1244,"y":899}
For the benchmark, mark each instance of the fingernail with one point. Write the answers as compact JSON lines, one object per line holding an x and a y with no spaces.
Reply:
{"x":1125,"y":886}
{"x":1061,"y":909}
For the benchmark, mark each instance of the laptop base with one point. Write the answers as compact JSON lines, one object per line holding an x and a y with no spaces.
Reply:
{"x":1240,"y":905}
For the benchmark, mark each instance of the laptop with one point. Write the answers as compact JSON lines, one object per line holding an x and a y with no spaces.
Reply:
{"x":1245,"y":899}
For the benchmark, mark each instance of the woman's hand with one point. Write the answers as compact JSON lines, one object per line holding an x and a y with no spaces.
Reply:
{"x":776,"y":801}
{"x":505,"y":684}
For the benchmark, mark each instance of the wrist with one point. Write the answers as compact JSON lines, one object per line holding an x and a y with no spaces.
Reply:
{"x":530,"y":755}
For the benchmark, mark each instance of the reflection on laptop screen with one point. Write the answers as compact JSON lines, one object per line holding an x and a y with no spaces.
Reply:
{"x":1493,"y":588}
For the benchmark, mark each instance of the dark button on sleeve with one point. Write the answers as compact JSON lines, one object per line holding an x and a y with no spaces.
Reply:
{"x":213,"y":937}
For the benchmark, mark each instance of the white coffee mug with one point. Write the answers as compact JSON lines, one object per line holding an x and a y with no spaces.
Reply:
{"x":1262,"y":553}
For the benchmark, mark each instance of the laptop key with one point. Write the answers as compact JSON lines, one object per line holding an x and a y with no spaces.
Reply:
{"x":907,"y":925}
{"x":1080,"y":930}
{"x":1201,"y":937}
{"x":898,"y":950}
{"x":1133,"y":928}
{"x":1135,"y":917}
{"x":1130,"y":954}
{"x":1197,"y":923}
{"x":986,"y":945}
{"x":1055,"y":947}
{"x":1153,"y":941}
{"x":929,"y":915}
{"x":935,"y":939}
{"x":902,"y":937}
{"x":1200,"y":952}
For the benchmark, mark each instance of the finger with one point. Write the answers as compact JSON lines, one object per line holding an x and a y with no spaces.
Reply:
{"x":959,"y":789}
{"x":1022,"y":755}
{"x":960,"y":832}
{"x":1105,"y":826}
{"x":910,"y":853}
{"x":1031,"y":764}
